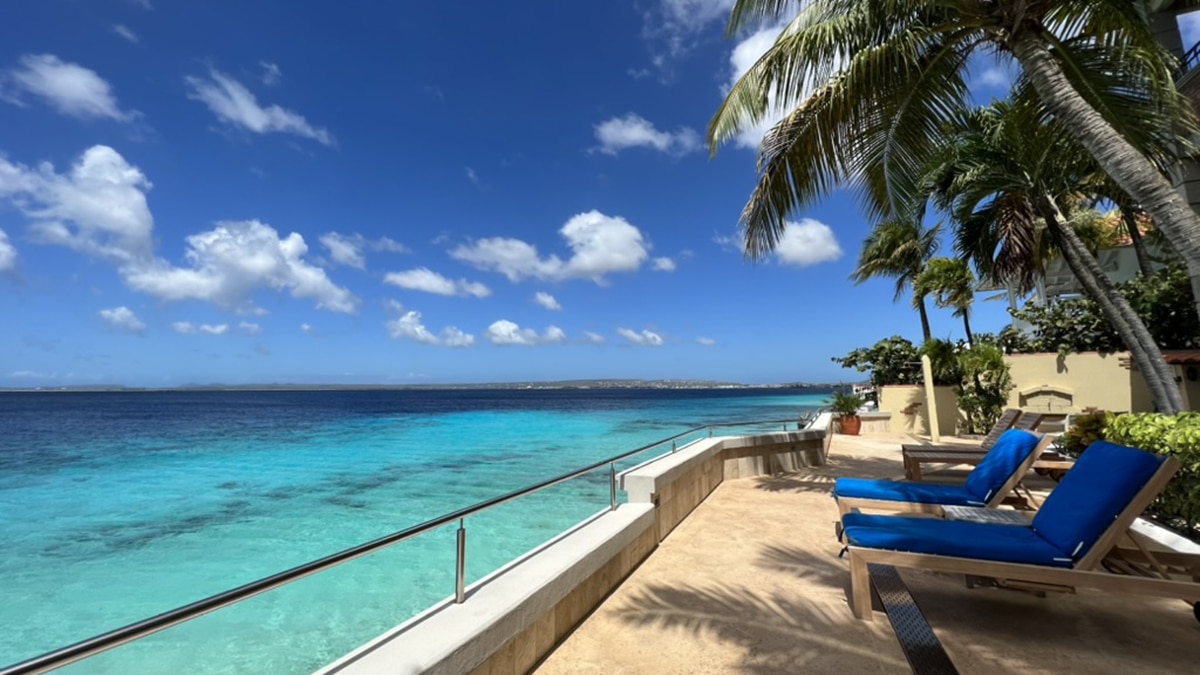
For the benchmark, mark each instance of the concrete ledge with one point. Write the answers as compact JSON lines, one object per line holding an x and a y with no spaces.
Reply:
{"x":525,"y":596}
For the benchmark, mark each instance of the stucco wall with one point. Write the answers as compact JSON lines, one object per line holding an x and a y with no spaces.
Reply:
{"x":910,"y":414}
{"x":1049,"y":383}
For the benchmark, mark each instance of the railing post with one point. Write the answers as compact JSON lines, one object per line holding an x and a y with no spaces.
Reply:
{"x":612,"y":486}
{"x":673,"y":446}
{"x":460,"y":564}
{"x":710,"y":432}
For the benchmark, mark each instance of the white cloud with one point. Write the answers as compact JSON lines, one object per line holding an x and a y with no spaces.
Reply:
{"x":250,"y":328}
{"x":345,"y":250}
{"x":409,"y":327}
{"x":663,"y":265}
{"x":98,"y":207}
{"x":807,"y":242}
{"x":600,"y":245}
{"x":645,"y":338}
{"x":546,"y":300}
{"x":272,"y":75}
{"x":426,"y":280}
{"x":707,"y":342}
{"x":234,"y":104}
{"x":227,"y":264}
{"x":189,"y":328}
{"x":744,"y":55}
{"x":728,"y":242}
{"x":696,"y":14}
{"x":390,"y":245}
{"x":68,"y":87}
{"x":672,"y":27}
{"x":8,"y":253}
{"x":124,"y":31}
{"x":594,"y":338}
{"x":123,"y":318}
{"x":633,"y":131}
{"x":472,"y":176}
{"x":504,"y":332}
{"x":994,"y":78}
{"x":306,"y":328}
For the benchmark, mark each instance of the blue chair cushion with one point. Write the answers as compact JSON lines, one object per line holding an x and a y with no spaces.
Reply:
{"x":1001,"y":462}
{"x":900,"y":491}
{"x":979,"y":541}
{"x":1094,"y":492}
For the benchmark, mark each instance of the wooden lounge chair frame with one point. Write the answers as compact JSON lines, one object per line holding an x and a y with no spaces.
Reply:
{"x":846,"y":504}
{"x":1086,"y":573}
{"x":1013,"y":417}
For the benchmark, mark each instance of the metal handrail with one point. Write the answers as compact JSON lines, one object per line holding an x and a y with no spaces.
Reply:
{"x":1191,"y":59}
{"x":134,"y":631}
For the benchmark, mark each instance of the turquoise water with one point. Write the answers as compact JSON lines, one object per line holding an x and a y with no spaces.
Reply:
{"x":118,"y":506}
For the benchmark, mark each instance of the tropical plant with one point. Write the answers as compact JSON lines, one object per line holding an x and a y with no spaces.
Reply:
{"x":893,"y":360}
{"x":1085,"y":430}
{"x":869,"y":85}
{"x":900,"y":249}
{"x":984,"y":387}
{"x":952,"y":284}
{"x":1003,"y":179}
{"x":1175,"y":435}
{"x":943,"y":361}
{"x":845,"y":404}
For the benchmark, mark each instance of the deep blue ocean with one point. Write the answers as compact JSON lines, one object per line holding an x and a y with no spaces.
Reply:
{"x":118,"y":506}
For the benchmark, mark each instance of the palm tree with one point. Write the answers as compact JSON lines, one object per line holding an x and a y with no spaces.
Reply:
{"x":870,"y":83}
{"x":1004,"y":180}
{"x":952,"y":285}
{"x":899,"y":249}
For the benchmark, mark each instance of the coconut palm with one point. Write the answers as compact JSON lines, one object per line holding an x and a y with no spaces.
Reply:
{"x":1004,"y":181}
{"x":899,"y":249}
{"x":867,"y":86}
{"x":952,"y":284}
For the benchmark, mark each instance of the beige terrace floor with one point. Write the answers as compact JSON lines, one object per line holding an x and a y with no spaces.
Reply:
{"x":751,"y":583}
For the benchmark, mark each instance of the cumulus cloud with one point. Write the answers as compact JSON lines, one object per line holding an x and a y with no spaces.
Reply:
{"x":69,"y":88}
{"x":250,"y":328}
{"x":345,"y":250}
{"x":234,"y":104}
{"x":673,"y":26}
{"x":645,"y":338}
{"x":594,"y":338}
{"x":408,"y":326}
{"x":98,"y":207}
{"x":228,"y":263}
{"x":600,"y":245}
{"x":426,"y":280}
{"x":8,"y":253}
{"x":124,"y":31}
{"x":504,"y":332}
{"x":807,"y":242}
{"x":663,"y":265}
{"x":272,"y":75}
{"x":306,"y":328}
{"x":542,"y":298}
{"x":707,"y":342}
{"x":123,"y":318}
{"x":744,"y":55}
{"x":634,"y":131}
{"x":389,"y":245}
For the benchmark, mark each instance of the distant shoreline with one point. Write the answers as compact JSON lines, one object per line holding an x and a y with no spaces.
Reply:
{"x":562,"y":384}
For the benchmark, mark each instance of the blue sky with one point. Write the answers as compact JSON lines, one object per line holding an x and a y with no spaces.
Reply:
{"x":369,"y":192}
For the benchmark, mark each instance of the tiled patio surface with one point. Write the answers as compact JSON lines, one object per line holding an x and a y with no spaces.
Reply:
{"x":751,"y":583}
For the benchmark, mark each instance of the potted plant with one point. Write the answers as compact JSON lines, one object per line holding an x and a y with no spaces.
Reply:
{"x":846,"y":406}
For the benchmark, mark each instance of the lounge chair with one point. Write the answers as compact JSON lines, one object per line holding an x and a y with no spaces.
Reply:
{"x":914,"y":455}
{"x":1060,"y":549}
{"x":995,"y":477}
{"x":1012,"y":418}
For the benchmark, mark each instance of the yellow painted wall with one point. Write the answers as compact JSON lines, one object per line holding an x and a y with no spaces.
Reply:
{"x":899,"y":398}
{"x":1048,"y":383}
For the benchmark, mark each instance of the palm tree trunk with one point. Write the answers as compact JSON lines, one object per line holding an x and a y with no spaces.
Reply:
{"x":1129,"y":215}
{"x":1143,"y":350}
{"x":1120,"y":160}
{"x":967,"y":327}
{"x":924,"y":319}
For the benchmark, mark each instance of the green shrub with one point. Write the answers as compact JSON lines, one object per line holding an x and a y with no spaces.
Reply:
{"x":983,"y":390}
{"x":1175,"y":435}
